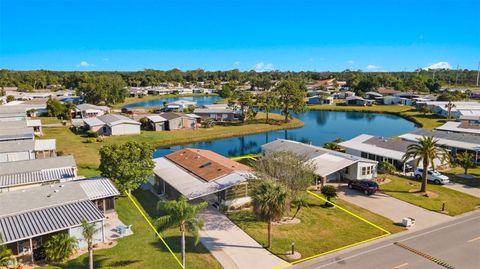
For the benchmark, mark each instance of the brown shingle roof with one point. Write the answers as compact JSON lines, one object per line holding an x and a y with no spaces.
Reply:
{"x":205,"y":164}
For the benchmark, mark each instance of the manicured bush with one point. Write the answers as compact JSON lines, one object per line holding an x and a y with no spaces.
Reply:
{"x":92,"y":134}
{"x":91,"y":140}
{"x":329,"y":192}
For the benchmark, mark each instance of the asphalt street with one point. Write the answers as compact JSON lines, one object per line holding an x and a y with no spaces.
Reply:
{"x":453,"y":244}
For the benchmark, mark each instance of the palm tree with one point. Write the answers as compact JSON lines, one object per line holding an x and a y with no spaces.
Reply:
{"x":426,"y":151}
{"x":269,"y":203}
{"x":299,"y":201}
{"x":5,"y":254}
{"x":465,"y":160}
{"x":183,"y":215}
{"x":88,"y":232}
{"x":60,"y":247}
{"x":69,"y":109}
{"x":449,"y":106}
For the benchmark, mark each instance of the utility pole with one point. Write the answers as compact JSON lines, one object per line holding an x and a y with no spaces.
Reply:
{"x":478,"y":72}
{"x":456,"y":75}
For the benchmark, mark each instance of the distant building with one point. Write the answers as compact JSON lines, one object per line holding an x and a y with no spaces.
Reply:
{"x":218,"y":114}
{"x":320,"y":100}
{"x":90,"y":111}
{"x":357,"y":101}
{"x":461,"y":109}
{"x":396,"y":100}
{"x":177,"y":121}
{"x":386,"y":91}
{"x":155,"y":123}
{"x":180,"y":105}
{"x":21,"y":150}
{"x":113,"y":124}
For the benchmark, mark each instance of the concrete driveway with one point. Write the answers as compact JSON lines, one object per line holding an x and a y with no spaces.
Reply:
{"x":231,"y":246}
{"x":464,"y":188}
{"x":392,"y":208}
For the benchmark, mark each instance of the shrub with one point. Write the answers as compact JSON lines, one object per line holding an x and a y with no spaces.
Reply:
{"x":329,"y":192}
{"x":92,"y":134}
{"x":100,"y":139}
{"x":60,"y":153}
{"x":91,"y":140}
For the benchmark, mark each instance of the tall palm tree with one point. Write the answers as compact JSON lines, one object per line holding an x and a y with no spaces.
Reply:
{"x":183,"y":215}
{"x":425,"y":151}
{"x":88,"y":232}
{"x":60,"y":247}
{"x":69,"y":109}
{"x":269,"y":201}
{"x":449,"y":107}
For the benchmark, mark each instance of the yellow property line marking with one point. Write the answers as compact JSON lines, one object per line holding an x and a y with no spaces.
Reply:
{"x":401,"y":265}
{"x":155,"y":230}
{"x":387,"y":233}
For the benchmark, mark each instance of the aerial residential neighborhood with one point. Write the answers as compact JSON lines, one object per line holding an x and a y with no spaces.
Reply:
{"x":239,"y":134}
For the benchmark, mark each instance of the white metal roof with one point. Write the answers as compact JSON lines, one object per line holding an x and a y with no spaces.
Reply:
{"x":156,"y":118}
{"x":45,"y":144}
{"x":93,"y":122}
{"x":191,"y":186}
{"x":453,"y":126}
{"x":34,"y":123}
{"x":358,"y":143}
{"x":443,"y":141}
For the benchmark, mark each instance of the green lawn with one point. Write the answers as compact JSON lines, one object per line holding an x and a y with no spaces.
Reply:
{"x":428,"y":120}
{"x":143,"y":249}
{"x":48,"y":120}
{"x":87,"y":154}
{"x":456,"y":202}
{"x":321,"y":229}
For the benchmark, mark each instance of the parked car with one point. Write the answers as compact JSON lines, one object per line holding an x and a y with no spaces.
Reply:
{"x":432,"y":176}
{"x":368,"y":187}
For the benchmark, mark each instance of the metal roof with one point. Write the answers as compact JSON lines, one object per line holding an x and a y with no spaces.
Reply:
{"x":191,"y":186}
{"x":97,"y":188}
{"x":92,"y":122}
{"x":42,"y":176}
{"x":326,"y":161}
{"x":389,"y":148}
{"x":456,"y":140}
{"x":83,"y":107}
{"x":36,"y":165}
{"x":17,"y":146}
{"x":214,"y":110}
{"x":34,"y":223}
{"x":454,"y":126}
{"x":156,"y":118}
{"x":16,"y":124}
{"x":45,"y":144}
{"x":16,"y":134}
{"x":115,"y":119}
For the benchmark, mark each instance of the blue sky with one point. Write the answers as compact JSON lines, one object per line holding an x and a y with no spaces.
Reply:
{"x":248,"y":35}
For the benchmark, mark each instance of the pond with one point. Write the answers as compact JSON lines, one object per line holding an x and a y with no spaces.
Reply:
{"x":320,"y":127}
{"x":201,"y":100}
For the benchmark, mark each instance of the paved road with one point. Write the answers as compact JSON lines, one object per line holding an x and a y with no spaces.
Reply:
{"x":231,"y":246}
{"x":392,"y":208}
{"x":455,"y":243}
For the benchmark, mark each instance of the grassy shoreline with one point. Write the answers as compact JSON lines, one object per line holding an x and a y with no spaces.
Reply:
{"x":428,"y":120}
{"x":133,"y":100}
{"x":87,"y":156}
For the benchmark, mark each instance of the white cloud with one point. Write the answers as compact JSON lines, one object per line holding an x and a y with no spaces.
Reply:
{"x":350,"y":61}
{"x":262,"y":67}
{"x":236,"y":63}
{"x":439,"y":65}
{"x":85,"y":64}
{"x":371,"y":66}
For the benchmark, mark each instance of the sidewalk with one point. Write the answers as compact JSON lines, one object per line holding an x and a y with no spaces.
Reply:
{"x":392,"y":208}
{"x":231,"y":246}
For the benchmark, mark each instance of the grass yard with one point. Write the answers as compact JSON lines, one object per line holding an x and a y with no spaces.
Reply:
{"x":132,"y":100}
{"x":456,"y":202}
{"x":428,"y":121}
{"x":321,"y":229}
{"x":143,"y":249}
{"x":48,"y":120}
{"x":86,"y":155}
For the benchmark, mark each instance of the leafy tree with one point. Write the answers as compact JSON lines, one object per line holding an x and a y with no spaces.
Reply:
{"x":55,"y":108}
{"x":266,"y":102}
{"x":465,"y":160}
{"x":227,"y":90}
{"x":2,"y":92}
{"x":183,"y":215}
{"x":10,"y":98}
{"x":269,"y":203}
{"x":433,"y":85}
{"x":329,"y":192}
{"x":88,"y":232}
{"x":416,"y":83}
{"x":103,"y":89}
{"x":208,"y":123}
{"x":334,"y":145}
{"x":426,"y":151}
{"x":25,"y":88}
{"x":128,"y":165}
{"x":5,"y":254}
{"x":291,"y":98}
{"x":60,"y":247}
{"x":69,"y":109}
{"x":425,"y":110}
{"x":245,"y":101}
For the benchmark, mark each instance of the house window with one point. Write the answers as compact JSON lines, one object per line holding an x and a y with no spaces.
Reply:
{"x":364,"y":155}
{"x":364,"y":171}
{"x":346,"y":170}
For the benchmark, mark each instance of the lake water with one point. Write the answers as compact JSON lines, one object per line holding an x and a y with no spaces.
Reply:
{"x":320,"y":127}
{"x":201,"y":100}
